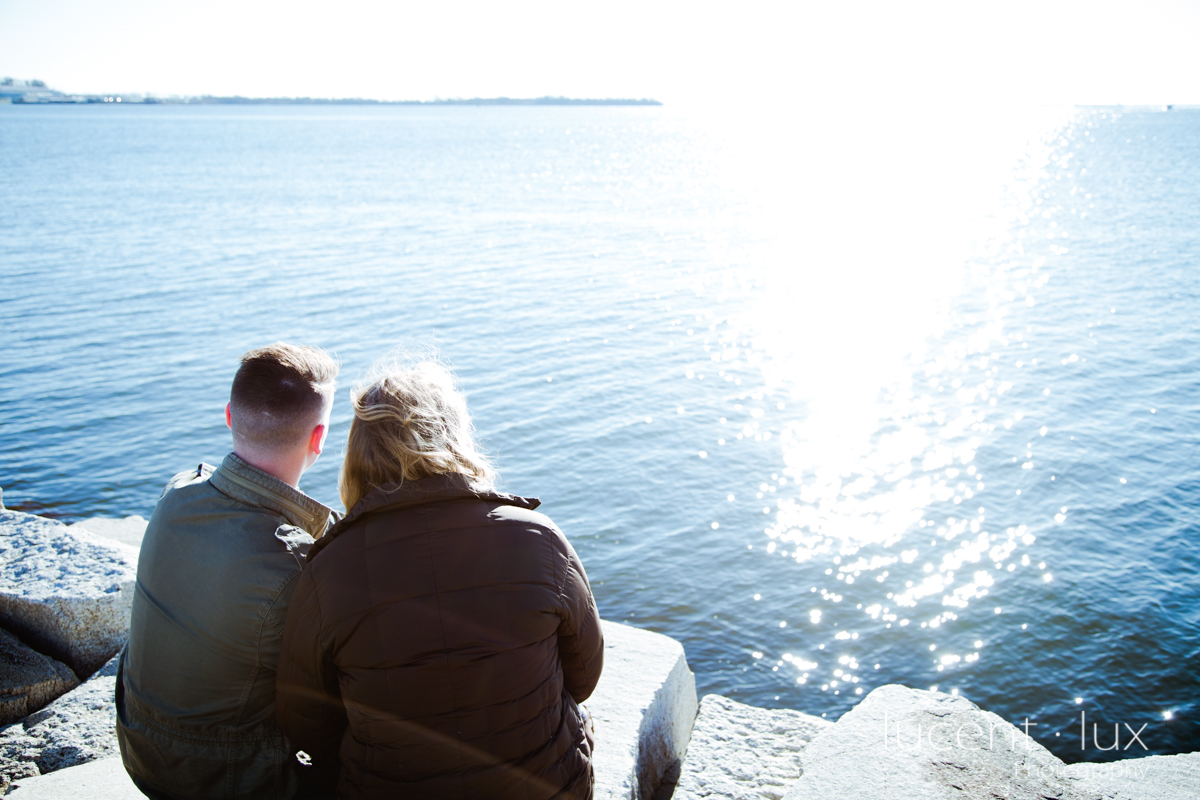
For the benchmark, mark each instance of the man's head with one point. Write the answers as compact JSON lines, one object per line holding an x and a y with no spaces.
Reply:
{"x":282,"y":394}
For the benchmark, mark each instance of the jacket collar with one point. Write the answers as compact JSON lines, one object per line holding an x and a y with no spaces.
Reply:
{"x":434,"y":489}
{"x":249,"y":484}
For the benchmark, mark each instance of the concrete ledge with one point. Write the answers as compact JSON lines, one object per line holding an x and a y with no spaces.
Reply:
{"x":98,"y":780}
{"x":127,"y":530}
{"x":643,"y":707}
{"x":739,"y":751}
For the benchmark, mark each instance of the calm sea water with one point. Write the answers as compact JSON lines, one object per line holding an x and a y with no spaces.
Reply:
{"x":837,"y":401}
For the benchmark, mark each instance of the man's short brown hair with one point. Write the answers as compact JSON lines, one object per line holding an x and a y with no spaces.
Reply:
{"x":280,"y":393}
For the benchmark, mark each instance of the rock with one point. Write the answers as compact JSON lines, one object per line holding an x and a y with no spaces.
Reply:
{"x":76,"y":728}
{"x":98,"y":780}
{"x":28,"y":679}
{"x":1147,"y":778}
{"x":643,"y":708}
{"x":739,"y":752}
{"x":65,"y":592}
{"x":909,"y":744}
{"x":129,"y":530}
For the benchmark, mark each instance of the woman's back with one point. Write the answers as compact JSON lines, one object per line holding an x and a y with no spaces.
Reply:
{"x":459,"y":631}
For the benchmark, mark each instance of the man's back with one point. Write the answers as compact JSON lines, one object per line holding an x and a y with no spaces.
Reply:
{"x":196,"y":692}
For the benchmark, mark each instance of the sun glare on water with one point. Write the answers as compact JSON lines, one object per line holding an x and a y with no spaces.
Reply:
{"x":894,"y":266}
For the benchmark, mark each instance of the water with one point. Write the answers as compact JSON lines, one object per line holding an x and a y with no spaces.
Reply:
{"x":838,"y":401}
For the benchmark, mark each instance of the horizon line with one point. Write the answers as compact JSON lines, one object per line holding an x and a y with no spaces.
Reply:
{"x":37,"y":92}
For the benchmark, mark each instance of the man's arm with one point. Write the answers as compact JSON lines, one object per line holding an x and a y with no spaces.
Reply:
{"x":580,"y":640}
{"x":308,"y":703}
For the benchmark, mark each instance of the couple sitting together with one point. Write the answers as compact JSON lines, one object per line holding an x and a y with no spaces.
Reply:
{"x":434,"y":642}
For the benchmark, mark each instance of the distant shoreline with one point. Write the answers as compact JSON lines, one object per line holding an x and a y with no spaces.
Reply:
{"x":475,"y":101}
{"x":56,"y":98}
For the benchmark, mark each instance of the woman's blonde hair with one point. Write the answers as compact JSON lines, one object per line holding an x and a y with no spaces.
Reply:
{"x":410,"y":422}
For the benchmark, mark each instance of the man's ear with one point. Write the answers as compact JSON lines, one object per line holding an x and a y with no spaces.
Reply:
{"x":228,"y":416}
{"x":316,"y":442}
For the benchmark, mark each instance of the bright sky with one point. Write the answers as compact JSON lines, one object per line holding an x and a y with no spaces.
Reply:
{"x":1025,"y":51}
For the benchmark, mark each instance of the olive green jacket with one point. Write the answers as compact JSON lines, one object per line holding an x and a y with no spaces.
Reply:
{"x":196,"y":682}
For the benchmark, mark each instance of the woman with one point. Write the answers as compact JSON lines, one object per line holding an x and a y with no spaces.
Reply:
{"x":442,"y":635}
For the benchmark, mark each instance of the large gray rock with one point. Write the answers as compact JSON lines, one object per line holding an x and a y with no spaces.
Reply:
{"x":65,"y":592}
{"x":28,"y":679}
{"x":104,"y":779}
{"x":128,"y":530}
{"x":643,"y":708}
{"x":739,"y":752}
{"x":1149,"y":778}
{"x":909,"y":744}
{"x":76,"y":728}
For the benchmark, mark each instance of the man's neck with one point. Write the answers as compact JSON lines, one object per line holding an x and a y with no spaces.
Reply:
{"x":285,"y":468}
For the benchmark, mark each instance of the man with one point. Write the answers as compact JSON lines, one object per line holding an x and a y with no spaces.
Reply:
{"x":219,"y":562}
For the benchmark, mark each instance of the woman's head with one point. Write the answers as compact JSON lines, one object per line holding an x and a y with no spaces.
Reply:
{"x":410,"y":422}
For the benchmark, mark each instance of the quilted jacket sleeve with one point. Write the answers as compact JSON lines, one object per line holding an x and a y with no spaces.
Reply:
{"x":308,"y":703}
{"x":580,"y":640}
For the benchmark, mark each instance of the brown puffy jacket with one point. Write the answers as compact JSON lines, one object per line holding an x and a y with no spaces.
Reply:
{"x":438,"y":643}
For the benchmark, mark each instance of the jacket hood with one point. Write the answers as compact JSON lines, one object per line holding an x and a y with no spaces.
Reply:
{"x":434,"y":489}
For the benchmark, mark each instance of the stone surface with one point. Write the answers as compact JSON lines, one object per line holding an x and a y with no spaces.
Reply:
{"x":910,"y":744}
{"x":1153,"y":778}
{"x":739,"y":752}
{"x":76,"y":728}
{"x":28,"y":679}
{"x":104,"y":779}
{"x":65,"y":592}
{"x":129,"y":530}
{"x":1149,"y":778}
{"x":643,"y":708}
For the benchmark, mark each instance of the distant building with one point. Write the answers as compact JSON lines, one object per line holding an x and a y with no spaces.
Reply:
{"x":34,"y":91}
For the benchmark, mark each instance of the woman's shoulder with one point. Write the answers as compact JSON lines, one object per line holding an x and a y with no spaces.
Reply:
{"x":414,"y":510}
{"x":520,"y":515}
{"x":495,"y":509}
